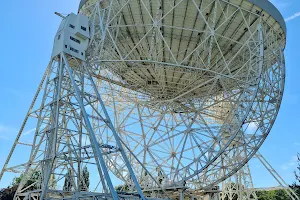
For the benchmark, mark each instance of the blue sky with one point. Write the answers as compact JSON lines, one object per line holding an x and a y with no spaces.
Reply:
{"x":28,"y":29}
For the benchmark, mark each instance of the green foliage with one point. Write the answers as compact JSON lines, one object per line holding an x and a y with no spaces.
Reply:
{"x":297,"y":172}
{"x":85,"y":180}
{"x":122,"y":188}
{"x":296,"y":184}
{"x":33,"y":181}
{"x":272,"y":195}
{"x":68,"y":183}
{"x":233,"y":198}
{"x":281,"y":194}
{"x":296,"y":188}
{"x":16,"y":181}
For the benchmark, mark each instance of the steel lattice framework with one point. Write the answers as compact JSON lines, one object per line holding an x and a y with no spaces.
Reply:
{"x":173,"y":94}
{"x":240,"y":186}
{"x":185,"y":79}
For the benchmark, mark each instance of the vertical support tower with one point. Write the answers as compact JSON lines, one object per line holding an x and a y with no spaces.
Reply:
{"x":66,"y":138}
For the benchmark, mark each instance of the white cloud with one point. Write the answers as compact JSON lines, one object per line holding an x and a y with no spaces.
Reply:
{"x":3,"y":131}
{"x":294,"y":16}
{"x":3,"y":137}
{"x":3,"y":128}
{"x":291,"y":164}
{"x":281,"y":4}
{"x":296,"y":143}
{"x":29,"y":131}
{"x":6,"y":131}
{"x":252,"y":126}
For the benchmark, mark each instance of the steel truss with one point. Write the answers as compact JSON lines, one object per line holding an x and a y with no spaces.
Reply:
{"x":181,"y":105}
{"x":240,"y":186}
{"x":282,"y":184}
{"x":180,"y":111}
{"x":65,"y":139}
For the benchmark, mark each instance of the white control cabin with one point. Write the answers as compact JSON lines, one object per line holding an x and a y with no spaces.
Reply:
{"x":72,"y":36}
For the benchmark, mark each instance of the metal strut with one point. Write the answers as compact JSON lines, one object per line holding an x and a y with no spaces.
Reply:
{"x":92,"y":135}
{"x":116,"y":136}
{"x":93,"y":138}
{"x":277,"y":177}
{"x":4,"y":169}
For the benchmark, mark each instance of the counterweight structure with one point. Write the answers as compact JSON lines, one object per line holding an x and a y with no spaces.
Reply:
{"x":154,"y":95}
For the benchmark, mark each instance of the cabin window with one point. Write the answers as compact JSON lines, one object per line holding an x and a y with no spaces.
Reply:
{"x":83,"y":28}
{"x":74,"y":39}
{"x":74,"y":50}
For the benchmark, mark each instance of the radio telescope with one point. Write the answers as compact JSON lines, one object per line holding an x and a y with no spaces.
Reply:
{"x":192,"y":84}
{"x":189,"y":89}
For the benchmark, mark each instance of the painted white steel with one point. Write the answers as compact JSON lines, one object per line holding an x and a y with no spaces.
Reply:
{"x":72,"y":36}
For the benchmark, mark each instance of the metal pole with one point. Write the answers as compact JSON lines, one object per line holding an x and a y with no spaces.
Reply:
{"x":92,"y":136}
{"x":112,"y":128}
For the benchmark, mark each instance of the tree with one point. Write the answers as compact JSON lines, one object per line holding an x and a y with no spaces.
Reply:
{"x":296,"y":185}
{"x":33,"y":183}
{"x":68,"y":181}
{"x":16,"y":181}
{"x":272,"y":195}
{"x":297,"y":175}
{"x":8,"y":193}
{"x":85,"y":180}
{"x":281,"y":194}
{"x":122,"y":188}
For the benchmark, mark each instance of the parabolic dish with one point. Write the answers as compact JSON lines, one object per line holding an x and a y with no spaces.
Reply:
{"x":193,"y":86}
